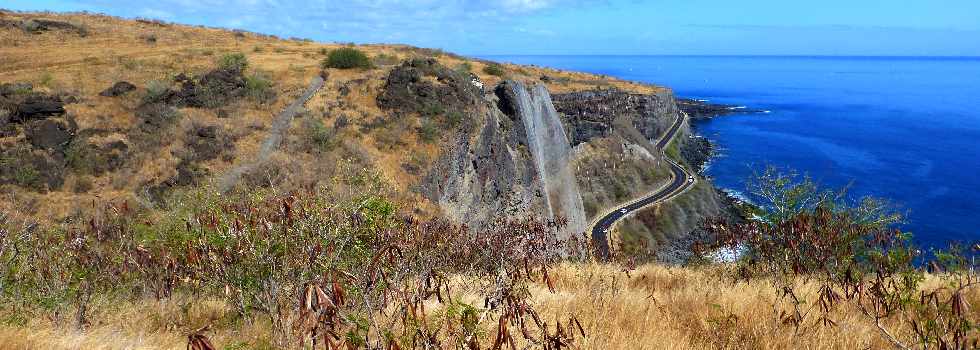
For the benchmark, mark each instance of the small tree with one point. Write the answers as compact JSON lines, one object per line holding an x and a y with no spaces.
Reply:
{"x":346,"y":58}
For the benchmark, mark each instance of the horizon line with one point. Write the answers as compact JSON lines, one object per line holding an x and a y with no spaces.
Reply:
{"x":729,"y":55}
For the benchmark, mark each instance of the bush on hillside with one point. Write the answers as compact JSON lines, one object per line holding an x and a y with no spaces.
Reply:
{"x":854,"y":256}
{"x":317,"y":265}
{"x":156,"y":90}
{"x":346,"y":58}
{"x":233,"y":61}
{"x":259,"y":88}
{"x":494,"y":69}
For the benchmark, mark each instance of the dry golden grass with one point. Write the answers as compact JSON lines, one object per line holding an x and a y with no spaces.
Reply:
{"x":652,"y":307}
{"x":117,"y":49}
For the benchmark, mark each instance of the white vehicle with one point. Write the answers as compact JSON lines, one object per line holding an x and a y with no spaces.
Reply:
{"x":623,"y":210}
{"x":690,"y":179}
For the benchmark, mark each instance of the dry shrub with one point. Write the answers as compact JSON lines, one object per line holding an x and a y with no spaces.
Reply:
{"x":322,"y":270}
{"x":856,"y":260}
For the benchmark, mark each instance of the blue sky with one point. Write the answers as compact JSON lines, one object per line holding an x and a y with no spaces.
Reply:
{"x":712,"y":27}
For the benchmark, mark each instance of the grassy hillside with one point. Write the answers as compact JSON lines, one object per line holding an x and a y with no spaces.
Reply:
{"x":77,"y":56}
{"x":114,"y":132}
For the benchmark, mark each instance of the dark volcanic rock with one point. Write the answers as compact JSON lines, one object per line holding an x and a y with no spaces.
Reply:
{"x":10,"y":89}
{"x":188,"y":174}
{"x":38,"y":25}
{"x":506,"y":99}
{"x":696,"y":151}
{"x":38,"y":106}
{"x":93,"y":158}
{"x":207,"y":143}
{"x":704,"y":110}
{"x":33,"y":169}
{"x":407,"y":90}
{"x":50,"y":134}
{"x":214,"y":89}
{"x":591,"y":113}
{"x":118,"y":89}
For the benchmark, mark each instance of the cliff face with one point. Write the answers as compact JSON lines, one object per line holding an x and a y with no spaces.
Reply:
{"x":593,"y":114}
{"x":550,"y":152}
{"x":522,"y":153}
{"x":513,"y":162}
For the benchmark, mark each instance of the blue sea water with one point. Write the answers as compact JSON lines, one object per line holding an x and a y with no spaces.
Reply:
{"x":902,"y":128}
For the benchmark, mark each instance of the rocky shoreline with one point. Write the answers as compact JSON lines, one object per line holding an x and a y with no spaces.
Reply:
{"x":702,"y":109}
{"x":697,"y":152}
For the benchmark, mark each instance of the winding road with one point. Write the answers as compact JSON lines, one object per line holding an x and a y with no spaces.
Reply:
{"x":681,"y":181}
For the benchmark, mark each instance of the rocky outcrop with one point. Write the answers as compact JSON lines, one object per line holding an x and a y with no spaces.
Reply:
{"x":424,"y":86}
{"x":214,"y":89}
{"x":51,"y":134}
{"x":118,"y":89}
{"x":37,"y":160}
{"x":696,"y":151}
{"x":700,"y":109}
{"x":20,"y":103}
{"x":550,"y":150}
{"x":514,"y":164}
{"x":591,"y":114}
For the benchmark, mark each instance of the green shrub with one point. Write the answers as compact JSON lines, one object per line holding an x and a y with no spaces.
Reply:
{"x":27,"y":176}
{"x":46,"y":79}
{"x":452,"y":119}
{"x":494,"y":69}
{"x":233,"y":61}
{"x":428,"y":131}
{"x":346,"y":58}
{"x":433,"y":109}
{"x":155,"y":90}
{"x":464,"y":68}
{"x":319,"y":135}
{"x":258,"y":87}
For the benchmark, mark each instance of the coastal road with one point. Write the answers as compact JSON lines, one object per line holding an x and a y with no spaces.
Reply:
{"x":680,"y":182}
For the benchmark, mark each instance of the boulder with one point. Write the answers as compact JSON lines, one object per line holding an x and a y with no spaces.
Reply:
{"x":118,"y":89}
{"x":38,"y":107}
{"x":50,"y":134}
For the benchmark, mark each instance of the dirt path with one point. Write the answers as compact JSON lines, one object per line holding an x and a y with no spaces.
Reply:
{"x":277,"y":132}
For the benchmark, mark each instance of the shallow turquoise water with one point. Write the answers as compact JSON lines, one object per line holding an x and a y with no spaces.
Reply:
{"x":907,"y":129}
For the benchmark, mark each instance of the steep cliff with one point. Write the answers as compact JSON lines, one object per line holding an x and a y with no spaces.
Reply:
{"x":513,"y":162}
{"x":550,"y":151}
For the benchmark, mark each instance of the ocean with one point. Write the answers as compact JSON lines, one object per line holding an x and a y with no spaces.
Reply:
{"x":902,"y":128}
